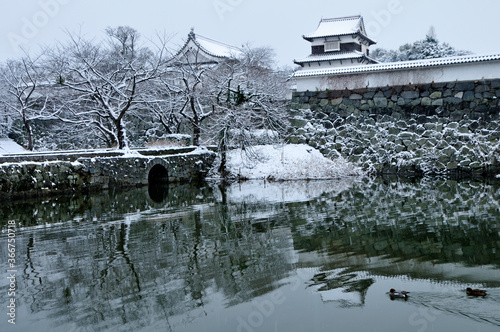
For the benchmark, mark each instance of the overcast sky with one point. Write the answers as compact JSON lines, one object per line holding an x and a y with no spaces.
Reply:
{"x":468,"y":25}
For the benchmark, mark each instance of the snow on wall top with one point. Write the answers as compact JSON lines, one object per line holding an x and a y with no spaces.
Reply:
{"x":329,"y":27}
{"x":398,"y":65}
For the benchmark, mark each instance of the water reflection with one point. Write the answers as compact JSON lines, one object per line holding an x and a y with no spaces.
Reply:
{"x":186,"y":257}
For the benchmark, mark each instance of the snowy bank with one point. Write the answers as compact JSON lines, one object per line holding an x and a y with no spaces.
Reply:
{"x":9,"y":146}
{"x":287,"y":162}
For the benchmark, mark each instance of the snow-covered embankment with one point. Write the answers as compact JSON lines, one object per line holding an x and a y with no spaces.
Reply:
{"x":287,"y":162}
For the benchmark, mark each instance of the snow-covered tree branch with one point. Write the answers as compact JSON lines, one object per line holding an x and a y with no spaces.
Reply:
{"x":106,"y":80}
{"x":24,"y":97}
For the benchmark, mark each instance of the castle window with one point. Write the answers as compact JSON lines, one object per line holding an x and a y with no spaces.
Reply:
{"x":320,"y":49}
{"x":332,"y":46}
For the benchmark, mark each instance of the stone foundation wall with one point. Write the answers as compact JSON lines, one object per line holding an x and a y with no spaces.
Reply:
{"x":444,"y":128}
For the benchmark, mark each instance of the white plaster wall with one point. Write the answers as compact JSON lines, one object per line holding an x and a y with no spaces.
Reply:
{"x":438,"y":74}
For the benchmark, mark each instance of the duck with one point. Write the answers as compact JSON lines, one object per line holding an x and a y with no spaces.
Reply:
{"x":398,"y":294}
{"x":476,"y":292}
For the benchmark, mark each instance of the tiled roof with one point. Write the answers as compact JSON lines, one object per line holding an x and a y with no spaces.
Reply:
{"x":216,"y":48}
{"x":210,"y":47}
{"x":329,"y":27}
{"x":398,"y":65}
{"x":331,"y":57}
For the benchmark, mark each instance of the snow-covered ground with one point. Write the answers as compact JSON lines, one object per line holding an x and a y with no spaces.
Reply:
{"x":288,"y":162}
{"x":9,"y":146}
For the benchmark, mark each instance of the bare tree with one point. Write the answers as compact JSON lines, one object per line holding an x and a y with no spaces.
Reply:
{"x":250,"y":98}
{"x":185,"y":83}
{"x":127,"y":39}
{"x":106,"y":80}
{"x":22,"y":82}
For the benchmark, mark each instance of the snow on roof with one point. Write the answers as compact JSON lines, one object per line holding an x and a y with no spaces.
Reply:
{"x":212,"y":49}
{"x":398,"y":65}
{"x":331,"y":57}
{"x":9,"y":146}
{"x":216,"y":48}
{"x":329,"y":27}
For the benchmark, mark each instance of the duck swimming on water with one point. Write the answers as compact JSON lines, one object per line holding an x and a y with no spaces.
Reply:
{"x":398,"y":294}
{"x":476,"y":292}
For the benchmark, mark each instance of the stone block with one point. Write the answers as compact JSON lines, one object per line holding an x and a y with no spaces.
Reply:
{"x":380,"y":102}
{"x":438,"y":102}
{"x":336,"y":101}
{"x":463,"y":130}
{"x":489,"y":95}
{"x":452,"y":100}
{"x":482,"y":88}
{"x":436,"y":95}
{"x":468,"y":96}
{"x":426,"y":101}
{"x":323,"y":102}
{"x":495,"y":84}
{"x":448,"y":93}
{"x":327,"y":124}
{"x":295,"y":122}
{"x":415,"y":102}
{"x":449,"y":151}
{"x":457,"y":115}
{"x":444,"y":159}
{"x":399,"y":148}
{"x":323,"y":95}
{"x":410,"y":94}
{"x":464,"y":86}
{"x":364,"y":107}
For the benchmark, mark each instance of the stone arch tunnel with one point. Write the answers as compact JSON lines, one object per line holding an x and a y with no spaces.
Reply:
{"x":157,"y":175}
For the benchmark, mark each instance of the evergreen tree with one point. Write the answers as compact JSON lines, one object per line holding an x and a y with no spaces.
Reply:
{"x":427,"y":48}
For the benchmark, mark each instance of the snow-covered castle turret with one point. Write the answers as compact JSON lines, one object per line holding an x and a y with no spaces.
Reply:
{"x":338,"y":42}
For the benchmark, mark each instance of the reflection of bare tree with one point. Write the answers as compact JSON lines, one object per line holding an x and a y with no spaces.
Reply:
{"x":32,"y":276}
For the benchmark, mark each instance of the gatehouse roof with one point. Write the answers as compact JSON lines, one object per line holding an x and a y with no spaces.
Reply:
{"x":330,"y":27}
{"x":208,"y":49}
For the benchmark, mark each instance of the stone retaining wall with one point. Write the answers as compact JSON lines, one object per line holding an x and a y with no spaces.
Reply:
{"x":93,"y":174}
{"x":442,"y":128}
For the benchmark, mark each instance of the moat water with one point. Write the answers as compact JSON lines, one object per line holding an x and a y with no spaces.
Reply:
{"x":255,"y":256}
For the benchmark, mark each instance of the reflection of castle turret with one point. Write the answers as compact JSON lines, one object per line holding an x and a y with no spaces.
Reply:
{"x":347,"y":288}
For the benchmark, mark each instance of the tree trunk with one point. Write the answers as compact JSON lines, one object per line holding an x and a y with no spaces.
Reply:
{"x":223,"y":155}
{"x":122,"y":135}
{"x":29,"y":132}
{"x":196,"y":124}
{"x":196,"y":134}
